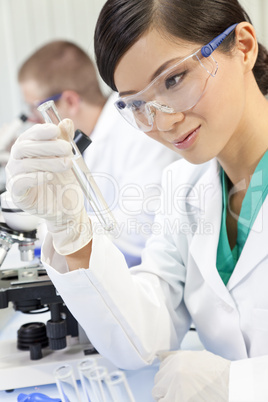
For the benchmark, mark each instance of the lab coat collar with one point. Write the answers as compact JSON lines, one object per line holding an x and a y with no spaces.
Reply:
{"x":255,"y":248}
{"x":203,"y":248}
{"x":108,"y":116}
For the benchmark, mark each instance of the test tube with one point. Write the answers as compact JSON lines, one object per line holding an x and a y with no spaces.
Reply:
{"x":84,"y":369}
{"x":118,"y":387}
{"x":66,"y":384}
{"x":83,"y":175}
{"x":97,"y":380}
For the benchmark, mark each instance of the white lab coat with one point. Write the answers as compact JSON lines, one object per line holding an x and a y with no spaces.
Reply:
{"x":127,"y":166}
{"x":129,"y":315}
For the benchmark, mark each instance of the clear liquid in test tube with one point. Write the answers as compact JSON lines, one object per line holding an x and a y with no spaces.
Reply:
{"x":83,"y":175}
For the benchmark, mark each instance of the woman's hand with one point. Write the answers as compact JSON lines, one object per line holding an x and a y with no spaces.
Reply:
{"x":192,"y":376}
{"x":41,"y":182}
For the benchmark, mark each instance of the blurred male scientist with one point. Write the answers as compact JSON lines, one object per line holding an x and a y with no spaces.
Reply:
{"x":63,"y":72}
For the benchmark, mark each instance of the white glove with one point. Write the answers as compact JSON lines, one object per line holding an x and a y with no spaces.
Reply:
{"x":41,"y":182}
{"x":192,"y":376}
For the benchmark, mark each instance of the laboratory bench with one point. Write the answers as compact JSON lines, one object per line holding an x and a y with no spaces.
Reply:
{"x":140,"y":381}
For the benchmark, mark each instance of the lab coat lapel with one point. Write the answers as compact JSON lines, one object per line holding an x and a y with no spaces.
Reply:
{"x":255,"y":248}
{"x":203,"y":248}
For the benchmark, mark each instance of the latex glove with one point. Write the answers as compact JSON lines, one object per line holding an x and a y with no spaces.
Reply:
{"x":192,"y":376}
{"x":41,"y":182}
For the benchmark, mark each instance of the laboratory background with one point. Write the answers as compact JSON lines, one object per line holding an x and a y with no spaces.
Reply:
{"x":25,"y":25}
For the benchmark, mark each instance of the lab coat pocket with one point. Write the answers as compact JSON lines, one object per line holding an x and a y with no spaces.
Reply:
{"x":260,"y":319}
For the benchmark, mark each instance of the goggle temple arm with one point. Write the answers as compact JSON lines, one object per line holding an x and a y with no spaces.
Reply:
{"x":215,"y":43}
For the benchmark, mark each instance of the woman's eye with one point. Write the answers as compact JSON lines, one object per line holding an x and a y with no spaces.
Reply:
{"x":171,"y":82}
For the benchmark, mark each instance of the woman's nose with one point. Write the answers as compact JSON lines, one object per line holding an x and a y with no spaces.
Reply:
{"x":165,"y":122}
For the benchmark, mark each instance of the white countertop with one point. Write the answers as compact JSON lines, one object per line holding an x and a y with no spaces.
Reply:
{"x":140,"y":381}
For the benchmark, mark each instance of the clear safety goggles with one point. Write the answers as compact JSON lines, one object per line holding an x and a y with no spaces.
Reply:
{"x":177,"y":89}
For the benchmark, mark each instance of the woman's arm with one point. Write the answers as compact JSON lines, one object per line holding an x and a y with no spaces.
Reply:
{"x":80,"y":258}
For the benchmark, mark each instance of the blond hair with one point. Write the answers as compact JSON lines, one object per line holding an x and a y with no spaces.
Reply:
{"x":62,"y":65}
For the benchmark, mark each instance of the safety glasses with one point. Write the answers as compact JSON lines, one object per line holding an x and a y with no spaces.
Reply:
{"x":55,"y":98}
{"x":31,"y":109}
{"x":176,"y":89}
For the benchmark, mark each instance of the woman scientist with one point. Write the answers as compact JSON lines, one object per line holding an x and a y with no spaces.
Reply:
{"x":191,"y":75}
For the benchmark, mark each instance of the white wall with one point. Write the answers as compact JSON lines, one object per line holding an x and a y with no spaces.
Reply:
{"x":27,"y":24}
{"x":258,"y":12}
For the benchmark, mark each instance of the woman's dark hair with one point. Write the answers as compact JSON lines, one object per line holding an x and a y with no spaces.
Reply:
{"x":122,"y":22}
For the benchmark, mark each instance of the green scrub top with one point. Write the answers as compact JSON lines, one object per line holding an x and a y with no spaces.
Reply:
{"x":254,"y":198}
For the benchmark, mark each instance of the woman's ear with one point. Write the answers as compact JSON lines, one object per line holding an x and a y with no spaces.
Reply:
{"x":247,"y":44}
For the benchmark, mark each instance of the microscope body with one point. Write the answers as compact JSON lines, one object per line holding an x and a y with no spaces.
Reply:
{"x":39,"y":346}
{"x":29,"y":290}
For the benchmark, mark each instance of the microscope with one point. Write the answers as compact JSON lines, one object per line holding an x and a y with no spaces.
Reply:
{"x":40,"y":347}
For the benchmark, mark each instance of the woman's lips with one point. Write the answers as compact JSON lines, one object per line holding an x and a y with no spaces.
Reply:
{"x":188,"y":139}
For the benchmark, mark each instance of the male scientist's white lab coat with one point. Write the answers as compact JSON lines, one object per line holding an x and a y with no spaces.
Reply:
{"x":123,"y":311}
{"x":127,"y":166}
